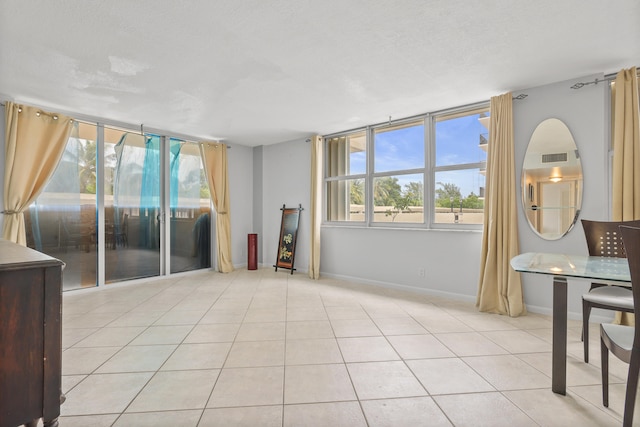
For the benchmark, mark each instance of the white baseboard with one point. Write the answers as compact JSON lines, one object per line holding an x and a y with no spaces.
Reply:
{"x":597,"y":316}
{"x":389,"y":285}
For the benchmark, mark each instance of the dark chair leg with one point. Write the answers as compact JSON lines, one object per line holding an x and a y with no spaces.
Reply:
{"x":604,"y":353}
{"x":53,"y":423}
{"x":586,"y":312}
{"x":632,"y":388}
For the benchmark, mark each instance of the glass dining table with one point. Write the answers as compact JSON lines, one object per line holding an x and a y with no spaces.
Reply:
{"x":613,"y":271}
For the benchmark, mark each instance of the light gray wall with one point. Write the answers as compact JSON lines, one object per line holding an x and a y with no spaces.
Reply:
{"x":257,"y":196}
{"x":390,"y":257}
{"x":585,"y":112}
{"x":395,"y":257}
{"x":451,"y":259}
{"x":286,"y":180}
{"x":240,"y":167}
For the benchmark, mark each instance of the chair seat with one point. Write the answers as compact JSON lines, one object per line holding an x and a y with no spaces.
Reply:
{"x":618,"y":339}
{"x":621,"y":335}
{"x":613,"y":296}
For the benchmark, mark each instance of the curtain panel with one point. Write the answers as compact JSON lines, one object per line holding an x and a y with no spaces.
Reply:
{"x":626,"y":148}
{"x":626,"y":157}
{"x":29,"y":130}
{"x":500,"y":288}
{"x":214,"y":156}
{"x":316,"y":206}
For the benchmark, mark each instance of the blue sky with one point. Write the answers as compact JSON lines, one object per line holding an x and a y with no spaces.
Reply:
{"x":456,"y":142}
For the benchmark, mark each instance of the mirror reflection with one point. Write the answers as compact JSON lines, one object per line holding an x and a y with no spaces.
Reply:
{"x":552,"y":180}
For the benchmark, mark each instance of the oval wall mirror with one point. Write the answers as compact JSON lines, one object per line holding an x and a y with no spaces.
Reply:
{"x":552,"y":180}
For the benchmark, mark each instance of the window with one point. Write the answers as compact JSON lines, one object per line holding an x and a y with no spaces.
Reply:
{"x":461,"y":142}
{"x":398,"y":178}
{"x":382,"y":175}
{"x":346,"y":173}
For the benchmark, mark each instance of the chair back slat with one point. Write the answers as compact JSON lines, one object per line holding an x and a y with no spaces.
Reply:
{"x":604,"y":239}
{"x":631,"y":237}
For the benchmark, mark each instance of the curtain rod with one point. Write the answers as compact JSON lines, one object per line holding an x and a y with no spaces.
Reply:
{"x":580,"y":85}
{"x":607,"y":78}
{"x":471,"y":106}
{"x":409,"y":118}
{"x":124,"y":125}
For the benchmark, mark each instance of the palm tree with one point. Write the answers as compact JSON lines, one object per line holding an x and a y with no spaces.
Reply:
{"x":386,"y":191}
{"x":357,"y":192}
{"x":87,"y":166}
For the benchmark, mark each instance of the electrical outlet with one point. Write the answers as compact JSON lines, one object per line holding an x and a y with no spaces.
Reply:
{"x":421,"y":272}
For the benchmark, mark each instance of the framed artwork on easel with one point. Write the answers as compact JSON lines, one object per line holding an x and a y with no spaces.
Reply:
{"x":288,"y":236}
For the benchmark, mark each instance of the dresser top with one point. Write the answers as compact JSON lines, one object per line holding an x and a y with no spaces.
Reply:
{"x":14,"y":256}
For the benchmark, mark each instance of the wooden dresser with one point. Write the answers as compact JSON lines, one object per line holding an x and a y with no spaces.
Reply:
{"x":30,"y":336}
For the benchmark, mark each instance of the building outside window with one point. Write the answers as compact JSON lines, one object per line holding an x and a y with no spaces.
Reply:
{"x":461,"y":141}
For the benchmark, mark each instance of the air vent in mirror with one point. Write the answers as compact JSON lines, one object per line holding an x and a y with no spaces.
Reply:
{"x":556,"y":157}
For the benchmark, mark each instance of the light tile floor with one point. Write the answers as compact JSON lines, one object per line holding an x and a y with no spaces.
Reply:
{"x":260,"y":348}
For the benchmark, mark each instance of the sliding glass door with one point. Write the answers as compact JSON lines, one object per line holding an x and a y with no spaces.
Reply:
{"x":103,"y":211}
{"x":190,"y":212}
{"x":62,"y":221}
{"x":132,"y":216}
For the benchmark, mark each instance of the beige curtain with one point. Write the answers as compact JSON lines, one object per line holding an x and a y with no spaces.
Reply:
{"x":214,"y":157}
{"x":316,"y":206}
{"x":500,"y":289}
{"x":34,"y":143}
{"x":626,"y":148}
{"x":626,"y":156}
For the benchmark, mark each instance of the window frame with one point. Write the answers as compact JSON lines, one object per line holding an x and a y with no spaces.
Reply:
{"x":449,"y":115}
{"x":369,"y":196}
{"x":428,"y":172}
{"x":344,"y":178}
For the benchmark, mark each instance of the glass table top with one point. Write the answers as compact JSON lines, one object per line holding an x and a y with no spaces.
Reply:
{"x":578,"y":266}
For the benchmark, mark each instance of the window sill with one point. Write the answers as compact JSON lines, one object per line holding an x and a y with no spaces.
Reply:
{"x":362,"y":226}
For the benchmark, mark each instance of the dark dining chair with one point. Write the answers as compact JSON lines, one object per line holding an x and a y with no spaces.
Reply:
{"x":603,"y":239}
{"x":624,"y":341}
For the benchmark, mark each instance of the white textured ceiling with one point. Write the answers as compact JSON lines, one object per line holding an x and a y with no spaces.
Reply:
{"x":257,"y":72}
